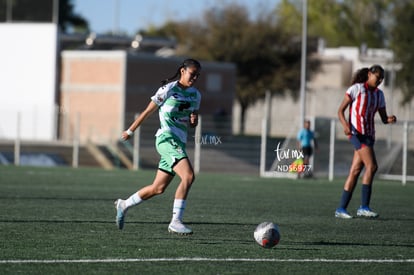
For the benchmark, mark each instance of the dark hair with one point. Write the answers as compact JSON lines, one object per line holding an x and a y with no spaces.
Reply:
{"x":187,"y":63}
{"x":361,"y":76}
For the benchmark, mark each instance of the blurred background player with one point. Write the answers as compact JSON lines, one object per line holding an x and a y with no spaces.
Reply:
{"x":364,"y":99}
{"x":305,"y":138}
{"x":177,"y":102}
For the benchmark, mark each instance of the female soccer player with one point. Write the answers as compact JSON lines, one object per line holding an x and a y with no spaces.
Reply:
{"x":177,"y":102}
{"x":364,"y":99}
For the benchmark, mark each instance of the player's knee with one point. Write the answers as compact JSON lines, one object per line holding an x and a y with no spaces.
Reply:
{"x":372,"y":168}
{"x":356,"y":170}
{"x":188,"y":178}
{"x":191,"y":178}
{"x":158,"y":190}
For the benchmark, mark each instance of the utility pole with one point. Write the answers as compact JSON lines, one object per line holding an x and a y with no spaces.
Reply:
{"x":303,"y":65}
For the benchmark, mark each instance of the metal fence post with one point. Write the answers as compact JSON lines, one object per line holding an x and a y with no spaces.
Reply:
{"x":17,"y":141}
{"x":75,"y":153}
{"x":404,"y":157}
{"x":197,"y":145}
{"x":136,"y":153}
{"x":332,"y":150}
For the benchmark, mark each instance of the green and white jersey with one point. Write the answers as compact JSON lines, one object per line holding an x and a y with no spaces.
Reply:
{"x":175,"y":106}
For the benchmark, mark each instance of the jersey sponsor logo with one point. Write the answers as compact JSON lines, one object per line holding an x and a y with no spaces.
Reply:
{"x":184,"y":105}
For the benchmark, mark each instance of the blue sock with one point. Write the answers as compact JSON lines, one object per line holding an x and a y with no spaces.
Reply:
{"x":366,"y":195}
{"x":345,"y":199}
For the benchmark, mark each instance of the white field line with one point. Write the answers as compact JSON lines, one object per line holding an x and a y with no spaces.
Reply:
{"x":115,"y":260}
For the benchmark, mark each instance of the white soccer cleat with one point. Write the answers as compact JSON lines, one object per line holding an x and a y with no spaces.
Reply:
{"x":177,"y":227}
{"x":120,"y":213}
{"x":366,"y":212}
{"x":342,"y":214}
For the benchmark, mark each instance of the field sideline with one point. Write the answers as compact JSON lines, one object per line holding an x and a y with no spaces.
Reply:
{"x":61,"y":220}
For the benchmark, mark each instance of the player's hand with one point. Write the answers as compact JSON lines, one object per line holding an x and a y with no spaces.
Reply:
{"x":347,"y":131}
{"x":392,"y":119}
{"x":126,"y":134}
{"x":193,"y":119}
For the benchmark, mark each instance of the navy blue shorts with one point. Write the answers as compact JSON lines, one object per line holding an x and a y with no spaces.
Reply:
{"x":359,"y":141}
{"x":307,"y":151}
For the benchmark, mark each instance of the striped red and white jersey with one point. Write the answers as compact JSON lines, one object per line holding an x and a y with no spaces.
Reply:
{"x":365,"y":104}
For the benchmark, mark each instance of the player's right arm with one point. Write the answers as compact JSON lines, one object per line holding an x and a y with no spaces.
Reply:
{"x":151,"y":108}
{"x":341,"y":114}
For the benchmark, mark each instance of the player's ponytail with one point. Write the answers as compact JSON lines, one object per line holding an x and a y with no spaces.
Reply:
{"x":361,"y":76}
{"x":187,"y":63}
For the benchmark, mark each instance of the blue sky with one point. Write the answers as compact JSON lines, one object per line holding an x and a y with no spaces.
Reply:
{"x":132,"y":15}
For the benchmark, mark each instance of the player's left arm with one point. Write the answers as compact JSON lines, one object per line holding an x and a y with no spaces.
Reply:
{"x":384,"y":116}
{"x":194,"y":119}
{"x":194,"y":114}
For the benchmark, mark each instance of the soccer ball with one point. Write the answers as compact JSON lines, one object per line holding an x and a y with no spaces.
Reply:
{"x":267,"y":234}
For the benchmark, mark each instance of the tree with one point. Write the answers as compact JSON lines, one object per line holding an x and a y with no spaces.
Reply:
{"x":366,"y":21}
{"x":375,"y":23}
{"x":339,"y":22}
{"x":69,"y":19}
{"x":403,"y":45}
{"x":266,"y":57}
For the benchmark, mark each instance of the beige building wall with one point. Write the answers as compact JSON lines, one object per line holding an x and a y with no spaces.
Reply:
{"x":92,"y":92}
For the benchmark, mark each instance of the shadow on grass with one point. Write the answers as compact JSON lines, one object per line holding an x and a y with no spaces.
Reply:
{"x":325,"y":243}
{"x":113,"y":221}
{"x":55,"y":198}
{"x":54,"y":221}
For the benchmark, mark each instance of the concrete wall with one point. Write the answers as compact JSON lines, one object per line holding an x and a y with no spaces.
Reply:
{"x":92,"y":92}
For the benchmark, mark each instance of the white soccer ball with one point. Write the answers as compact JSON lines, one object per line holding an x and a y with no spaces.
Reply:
{"x":267,"y":234}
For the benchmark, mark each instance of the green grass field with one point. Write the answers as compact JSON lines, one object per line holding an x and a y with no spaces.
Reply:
{"x":61,"y":220}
